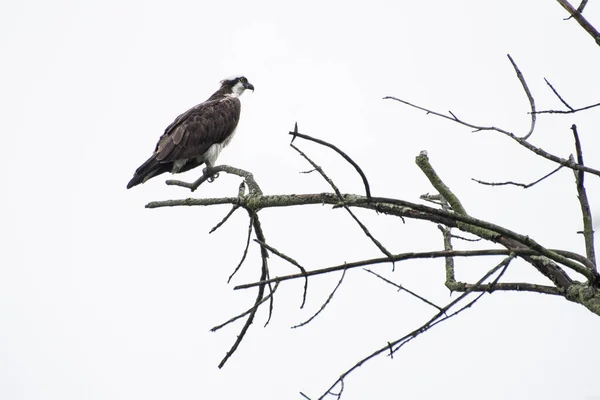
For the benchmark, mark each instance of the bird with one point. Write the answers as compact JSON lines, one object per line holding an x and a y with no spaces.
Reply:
{"x":198,"y":135}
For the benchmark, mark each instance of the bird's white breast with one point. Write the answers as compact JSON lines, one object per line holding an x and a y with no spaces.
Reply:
{"x":211,"y":155}
{"x":237,"y":90}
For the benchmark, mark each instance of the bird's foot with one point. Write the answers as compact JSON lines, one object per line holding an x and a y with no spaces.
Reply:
{"x":210,"y":177}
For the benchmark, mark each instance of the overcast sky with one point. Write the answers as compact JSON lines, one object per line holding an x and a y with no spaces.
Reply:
{"x":101,"y":298}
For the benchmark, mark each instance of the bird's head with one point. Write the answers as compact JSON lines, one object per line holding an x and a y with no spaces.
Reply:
{"x":236,"y":85}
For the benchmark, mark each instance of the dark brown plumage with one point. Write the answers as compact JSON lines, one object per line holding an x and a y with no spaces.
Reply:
{"x":198,"y":135}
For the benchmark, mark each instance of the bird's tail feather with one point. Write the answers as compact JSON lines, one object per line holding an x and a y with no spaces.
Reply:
{"x":136,"y":180}
{"x":147,"y":170}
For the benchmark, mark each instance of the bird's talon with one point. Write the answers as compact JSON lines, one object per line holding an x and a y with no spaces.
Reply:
{"x":212,"y":178}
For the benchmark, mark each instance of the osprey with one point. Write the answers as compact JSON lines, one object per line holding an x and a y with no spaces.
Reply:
{"x":198,"y":135}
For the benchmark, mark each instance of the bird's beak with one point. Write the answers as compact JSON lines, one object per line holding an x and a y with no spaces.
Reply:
{"x":248,"y":85}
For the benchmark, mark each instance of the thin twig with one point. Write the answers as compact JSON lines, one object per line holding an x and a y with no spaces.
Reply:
{"x":296,"y":134}
{"x":337,"y":395}
{"x":437,"y":318}
{"x":468,"y":305}
{"x":523,"y":185}
{"x":254,"y":306}
{"x":540,"y":152}
{"x":569,"y":111}
{"x":291,"y":261}
{"x":586,"y":213}
{"x":465,"y":239}
{"x":264,"y":255}
{"x":229,"y":214}
{"x":324,"y":304}
{"x":320,"y":171}
{"x":259,"y":295}
{"x":529,"y":96}
{"x":558,"y":95}
{"x":250,"y":226}
{"x":366,"y":231}
{"x":503,"y":264}
{"x":401,"y":288}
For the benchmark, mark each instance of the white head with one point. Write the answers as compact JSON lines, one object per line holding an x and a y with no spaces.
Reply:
{"x":236,"y":85}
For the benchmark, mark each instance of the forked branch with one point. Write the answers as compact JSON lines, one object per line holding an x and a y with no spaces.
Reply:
{"x":439,"y":317}
{"x":576,"y":14}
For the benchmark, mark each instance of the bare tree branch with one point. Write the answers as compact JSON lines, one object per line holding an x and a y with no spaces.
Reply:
{"x":318,"y":168}
{"x":582,"y":5}
{"x":402,"y":288}
{"x":250,"y":226}
{"x":248,"y":178}
{"x":576,"y":14}
{"x":562,"y":267}
{"x":295,"y":134}
{"x":540,"y":152}
{"x":466,"y":239}
{"x":395,"y":207}
{"x":558,"y":95}
{"x":324,"y":304}
{"x":549,"y":270}
{"x":437,"y":199}
{"x":248,"y":311}
{"x":529,"y":96}
{"x":455,"y":286}
{"x":577,"y":257}
{"x":586,"y":213}
{"x":507,"y":287}
{"x":259,"y":296}
{"x":449,"y":260}
{"x":452,"y":214}
{"x":229,"y":214}
{"x":291,"y":261}
{"x":503,"y":264}
{"x":568,"y":111}
{"x":264,"y":255}
{"x":423,"y":162}
{"x":523,"y":185}
{"x":396,"y":257}
{"x":436,"y":319}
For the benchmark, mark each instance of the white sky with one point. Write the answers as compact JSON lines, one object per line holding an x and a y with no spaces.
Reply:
{"x":103,"y":299}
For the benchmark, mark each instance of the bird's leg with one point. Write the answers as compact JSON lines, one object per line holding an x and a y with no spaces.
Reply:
{"x":207,"y":172}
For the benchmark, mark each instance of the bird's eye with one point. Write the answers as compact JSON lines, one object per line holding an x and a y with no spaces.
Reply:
{"x":243,"y":80}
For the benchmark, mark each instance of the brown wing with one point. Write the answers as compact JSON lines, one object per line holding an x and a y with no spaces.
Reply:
{"x":193,"y":132}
